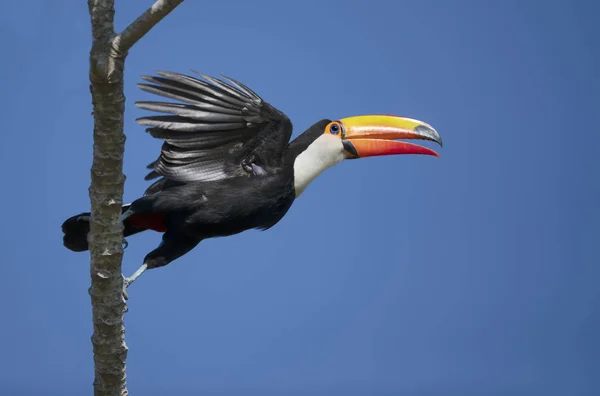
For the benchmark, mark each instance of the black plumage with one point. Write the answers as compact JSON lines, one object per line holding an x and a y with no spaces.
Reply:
{"x":218,"y":132}
{"x":225,"y":166}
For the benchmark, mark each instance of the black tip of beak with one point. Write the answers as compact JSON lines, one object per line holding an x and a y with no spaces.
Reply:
{"x":429,"y":133}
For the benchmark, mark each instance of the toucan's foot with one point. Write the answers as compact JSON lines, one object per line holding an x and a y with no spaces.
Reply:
{"x":136,"y":274}
{"x":125,"y":295}
{"x":125,"y":243}
{"x":83,"y":218}
{"x":128,"y":281}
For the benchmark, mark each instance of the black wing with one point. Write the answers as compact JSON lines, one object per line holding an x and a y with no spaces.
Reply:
{"x":220,"y":129}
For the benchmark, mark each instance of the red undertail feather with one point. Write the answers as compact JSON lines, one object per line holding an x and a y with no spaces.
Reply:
{"x":153,"y":221}
{"x":76,"y":228}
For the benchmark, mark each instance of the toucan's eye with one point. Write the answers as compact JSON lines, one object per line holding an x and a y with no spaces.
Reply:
{"x":334,"y":128}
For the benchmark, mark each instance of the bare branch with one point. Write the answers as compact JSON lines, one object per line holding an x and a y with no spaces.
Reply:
{"x":138,"y":28}
{"x":106,"y":195}
{"x":107,"y":61}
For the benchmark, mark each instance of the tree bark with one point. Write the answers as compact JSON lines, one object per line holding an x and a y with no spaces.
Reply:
{"x":107,"y":62}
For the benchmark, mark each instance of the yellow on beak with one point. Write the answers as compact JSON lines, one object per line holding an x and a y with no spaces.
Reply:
{"x":374,"y":135}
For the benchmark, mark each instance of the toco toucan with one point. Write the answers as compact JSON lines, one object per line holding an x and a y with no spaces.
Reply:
{"x":226,"y":164}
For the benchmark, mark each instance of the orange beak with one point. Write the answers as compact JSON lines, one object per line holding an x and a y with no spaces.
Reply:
{"x":375,"y":135}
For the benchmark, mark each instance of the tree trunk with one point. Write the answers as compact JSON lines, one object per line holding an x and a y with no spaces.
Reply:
{"x":107,"y":61}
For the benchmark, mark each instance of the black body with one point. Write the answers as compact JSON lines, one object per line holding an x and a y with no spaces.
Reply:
{"x":226,"y":166}
{"x":222,"y":208}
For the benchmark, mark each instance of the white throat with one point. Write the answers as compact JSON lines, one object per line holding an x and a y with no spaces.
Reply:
{"x":326,"y":151}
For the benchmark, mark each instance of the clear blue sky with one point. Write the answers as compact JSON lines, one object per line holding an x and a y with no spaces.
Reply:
{"x":473,"y":274}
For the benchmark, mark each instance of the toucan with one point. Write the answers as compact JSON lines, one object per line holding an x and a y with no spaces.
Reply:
{"x":226,"y":164}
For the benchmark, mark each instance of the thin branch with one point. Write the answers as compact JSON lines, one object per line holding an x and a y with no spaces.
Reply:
{"x":106,"y":196}
{"x":107,"y":62}
{"x":138,"y":28}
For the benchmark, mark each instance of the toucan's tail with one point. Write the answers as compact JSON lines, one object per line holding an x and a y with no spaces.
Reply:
{"x":76,"y":229}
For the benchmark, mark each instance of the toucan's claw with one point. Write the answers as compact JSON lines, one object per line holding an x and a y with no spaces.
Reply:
{"x":125,"y":243}
{"x":125,"y":295}
{"x":125,"y":285}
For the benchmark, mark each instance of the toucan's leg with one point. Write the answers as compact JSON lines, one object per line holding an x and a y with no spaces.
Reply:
{"x":126,"y":214}
{"x":135,"y":275}
{"x":173,"y":246}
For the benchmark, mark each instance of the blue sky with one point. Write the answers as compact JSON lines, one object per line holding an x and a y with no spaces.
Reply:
{"x":473,"y":274}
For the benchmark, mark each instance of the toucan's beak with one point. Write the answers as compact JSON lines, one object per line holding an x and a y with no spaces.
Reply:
{"x":373,"y":135}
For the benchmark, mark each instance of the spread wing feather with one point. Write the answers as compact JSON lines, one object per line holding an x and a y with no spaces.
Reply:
{"x":217,"y":129}
{"x":195,"y":113}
